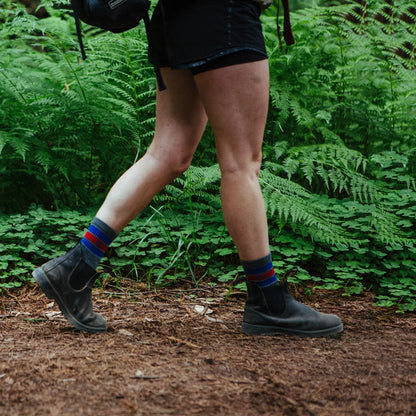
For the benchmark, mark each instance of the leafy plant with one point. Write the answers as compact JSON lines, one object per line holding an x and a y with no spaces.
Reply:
{"x":63,"y":118}
{"x":339,"y":151}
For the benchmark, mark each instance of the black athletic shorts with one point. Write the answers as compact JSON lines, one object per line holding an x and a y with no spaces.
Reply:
{"x":205,"y":34}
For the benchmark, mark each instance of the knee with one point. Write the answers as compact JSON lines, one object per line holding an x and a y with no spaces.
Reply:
{"x":241,"y":167}
{"x":179,"y":165}
{"x":174,"y":164}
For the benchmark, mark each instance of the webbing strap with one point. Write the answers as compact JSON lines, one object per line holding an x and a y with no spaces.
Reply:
{"x":78,"y":27}
{"x":287,"y":28}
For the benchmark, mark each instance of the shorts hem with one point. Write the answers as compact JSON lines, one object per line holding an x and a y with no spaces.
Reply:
{"x":200,"y":62}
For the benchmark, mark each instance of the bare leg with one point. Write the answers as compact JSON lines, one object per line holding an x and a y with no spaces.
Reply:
{"x":180,"y":122}
{"x":236,"y":101}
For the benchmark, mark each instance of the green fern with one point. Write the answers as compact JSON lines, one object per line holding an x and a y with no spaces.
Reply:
{"x":49,"y":93}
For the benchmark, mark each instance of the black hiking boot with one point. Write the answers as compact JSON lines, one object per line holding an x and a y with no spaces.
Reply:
{"x":272,"y":310}
{"x":55,"y":277}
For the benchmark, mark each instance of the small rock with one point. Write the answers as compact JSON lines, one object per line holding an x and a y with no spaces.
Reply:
{"x":139,"y":374}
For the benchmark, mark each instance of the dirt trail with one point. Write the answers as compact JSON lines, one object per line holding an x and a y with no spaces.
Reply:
{"x":174,"y":353}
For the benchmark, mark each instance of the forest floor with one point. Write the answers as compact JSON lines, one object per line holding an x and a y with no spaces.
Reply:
{"x":181,"y":352}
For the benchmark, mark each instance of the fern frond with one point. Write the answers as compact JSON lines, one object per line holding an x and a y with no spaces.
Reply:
{"x":293,"y":202}
{"x":337,"y":166}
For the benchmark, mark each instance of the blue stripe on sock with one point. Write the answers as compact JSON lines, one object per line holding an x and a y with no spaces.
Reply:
{"x":259,"y":270}
{"x":91,"y":247}
{"x":267,"y":282}
{"x":98,"y":233}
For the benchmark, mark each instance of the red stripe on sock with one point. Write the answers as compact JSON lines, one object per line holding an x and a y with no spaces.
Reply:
{"x":262,"y":276}
{"x":96,"y":241}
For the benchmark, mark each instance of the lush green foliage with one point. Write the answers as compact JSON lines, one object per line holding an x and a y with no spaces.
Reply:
{"x":343,"y":102}
{"x":339,"y":153}
{"x":61,"y":119}
{"x":164,"y":244}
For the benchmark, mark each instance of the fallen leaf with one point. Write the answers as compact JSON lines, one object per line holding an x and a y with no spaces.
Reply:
{"x":52,"y":314}
{"x":209,"y":318}
{"x":202,"y":310}
{"x":125,"y":332}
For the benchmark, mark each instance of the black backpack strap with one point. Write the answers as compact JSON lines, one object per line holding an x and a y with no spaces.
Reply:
{"x":287,"y":28}
{"x":78,"y":27}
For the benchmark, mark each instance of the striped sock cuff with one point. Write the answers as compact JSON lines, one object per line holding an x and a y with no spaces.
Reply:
{"x":97,"y":240}
{"x":260,"y":271}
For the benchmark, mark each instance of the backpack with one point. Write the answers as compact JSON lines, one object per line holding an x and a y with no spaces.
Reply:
{"x":121,"y":15}
{"x":114,"y":15}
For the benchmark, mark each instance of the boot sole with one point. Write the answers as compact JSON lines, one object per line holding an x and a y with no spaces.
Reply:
{"x":252,"y":329}
{"x":50,"y":292}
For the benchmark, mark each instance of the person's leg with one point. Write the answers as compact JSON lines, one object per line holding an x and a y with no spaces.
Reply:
{"x":180,"y":122}
{"x":236,"y":101}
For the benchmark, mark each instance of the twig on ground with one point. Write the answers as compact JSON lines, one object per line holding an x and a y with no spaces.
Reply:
{"x":182,"y":341}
